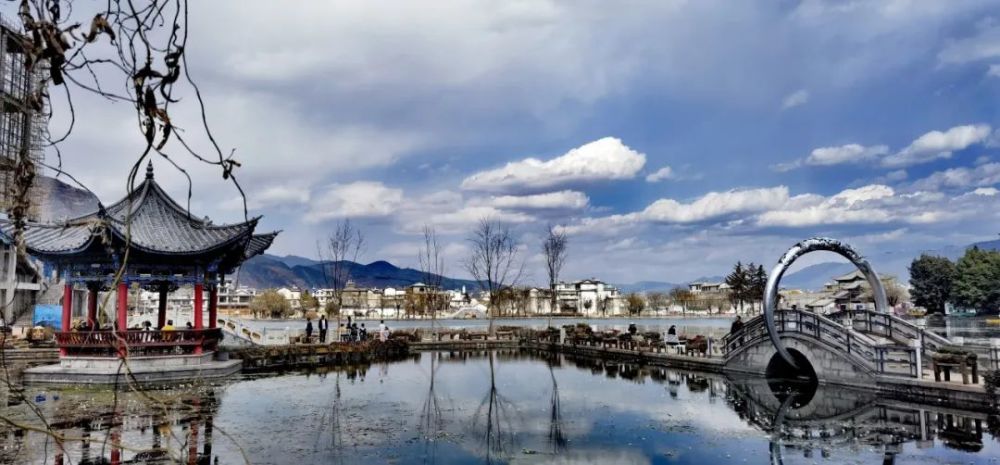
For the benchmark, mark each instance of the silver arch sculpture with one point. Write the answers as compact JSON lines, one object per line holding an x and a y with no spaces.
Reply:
{"x":798,"y":250}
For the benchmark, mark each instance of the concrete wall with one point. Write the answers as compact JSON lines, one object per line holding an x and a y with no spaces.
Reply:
{"x":830,"y":365}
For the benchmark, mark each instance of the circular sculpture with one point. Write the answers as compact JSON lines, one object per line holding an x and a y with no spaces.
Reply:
{"x":798,"y":250}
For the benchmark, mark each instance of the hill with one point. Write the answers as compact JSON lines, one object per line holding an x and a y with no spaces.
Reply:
{"x":270,"y":271}
{"x":58,"y":201}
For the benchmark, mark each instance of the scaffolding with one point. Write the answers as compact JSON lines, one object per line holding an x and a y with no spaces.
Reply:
{"x":22,"y":122}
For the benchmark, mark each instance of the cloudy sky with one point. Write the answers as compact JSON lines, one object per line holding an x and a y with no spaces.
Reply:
{"x":670,"y":138}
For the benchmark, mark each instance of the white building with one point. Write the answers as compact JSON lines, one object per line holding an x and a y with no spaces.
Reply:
{"x":699,"y":287}
{"x":293,"y":295}
{"x":589,"y":297}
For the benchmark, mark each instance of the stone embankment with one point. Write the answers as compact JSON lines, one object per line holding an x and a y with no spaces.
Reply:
{"x":299,"y":356}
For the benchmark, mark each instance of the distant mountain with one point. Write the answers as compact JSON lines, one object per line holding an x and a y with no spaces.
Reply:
{"x":813,"y":277}
{"x":269,"y":271}
{"x":647,"y":286}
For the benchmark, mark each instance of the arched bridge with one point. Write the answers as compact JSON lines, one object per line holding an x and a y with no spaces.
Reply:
{"x":850,"y":346}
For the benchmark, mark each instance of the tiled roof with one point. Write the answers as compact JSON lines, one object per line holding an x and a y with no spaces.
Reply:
{"x":151,"y":220}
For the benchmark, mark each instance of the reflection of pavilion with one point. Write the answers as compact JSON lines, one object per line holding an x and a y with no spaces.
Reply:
{"x":155,"y":244}
{"x":132,"y":429}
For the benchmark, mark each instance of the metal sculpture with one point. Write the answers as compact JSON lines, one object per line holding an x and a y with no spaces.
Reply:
{"x":798,"y":250}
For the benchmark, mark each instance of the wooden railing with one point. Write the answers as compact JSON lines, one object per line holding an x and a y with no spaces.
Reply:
{"x":137,"y":342}
{"x":896,"y":359}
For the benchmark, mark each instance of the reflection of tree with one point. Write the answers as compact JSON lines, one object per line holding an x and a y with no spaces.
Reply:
{"x":492,"y":421}
{"x":431,"y":418}
{"x":556,"y":436}
{"x":334,"y":414}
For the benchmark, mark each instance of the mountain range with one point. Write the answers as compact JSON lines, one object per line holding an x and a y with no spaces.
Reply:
{"x":270,"y":271}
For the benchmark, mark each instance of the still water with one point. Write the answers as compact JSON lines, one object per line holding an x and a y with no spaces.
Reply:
{"x":503,"y":407}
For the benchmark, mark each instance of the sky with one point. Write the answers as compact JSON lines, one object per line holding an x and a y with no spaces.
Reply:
{"x":668,"y":138}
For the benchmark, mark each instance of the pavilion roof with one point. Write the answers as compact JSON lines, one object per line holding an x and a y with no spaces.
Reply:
{"x":150,"y":220}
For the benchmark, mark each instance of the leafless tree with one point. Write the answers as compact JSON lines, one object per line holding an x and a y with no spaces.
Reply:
{"x":495,"y":261}
{"x":657,"y":300}
{"x":554,"y":248}
{"x":343,"y":246}
{"x":433,"y":268}
{"x":493,"y":421}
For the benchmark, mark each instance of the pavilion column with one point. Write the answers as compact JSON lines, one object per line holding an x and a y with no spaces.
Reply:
{"x":161,"y":315}
{"x":67,"y":312}
{"x":199,"y":297}
{"x":213,"y":305}
{"x":122,"y":318}
{"x":92,"y":291}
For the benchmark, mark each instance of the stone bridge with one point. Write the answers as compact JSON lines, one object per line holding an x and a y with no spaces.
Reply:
{"x":845,"y":348}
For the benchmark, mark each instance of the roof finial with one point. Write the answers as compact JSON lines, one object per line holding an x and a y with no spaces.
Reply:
{"x":149,"y":170}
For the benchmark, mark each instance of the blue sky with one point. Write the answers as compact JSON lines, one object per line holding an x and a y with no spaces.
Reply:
{"x":872,"y":121}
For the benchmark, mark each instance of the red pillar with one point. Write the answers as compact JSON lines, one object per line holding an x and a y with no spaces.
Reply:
{"x":199,"y":290}
{"x":67,"y":310}
{"x":161,"y":315}
{"x":199,"y":298}
{"x":122,"y":307}
{"x":92,"y":305}
{"x":213,"y":306}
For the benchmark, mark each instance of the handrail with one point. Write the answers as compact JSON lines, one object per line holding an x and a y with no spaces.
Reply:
{"x":863,"y":349}
{"x":891,"y":326}
{"x":114,"y":342}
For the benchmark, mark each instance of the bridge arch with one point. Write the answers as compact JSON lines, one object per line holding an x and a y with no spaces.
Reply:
{"x":831,"y":364}
{"x":798,"y":250}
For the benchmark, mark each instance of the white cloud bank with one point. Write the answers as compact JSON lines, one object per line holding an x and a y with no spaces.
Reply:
{"x":937,"y":144}
{"x":603,"y":159}
{"x":567,"y":199}
{"x":661,"y":174}
{"x":362,"y":199}
{"x":799,"y":97}
{"x":850,"y":153}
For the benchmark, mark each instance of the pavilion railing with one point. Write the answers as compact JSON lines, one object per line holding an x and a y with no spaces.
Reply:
{"x":138,"y":342}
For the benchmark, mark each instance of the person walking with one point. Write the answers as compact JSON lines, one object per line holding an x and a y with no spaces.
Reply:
{"x":737,"y":325}
{"x":309,"y":329}
{"x":324,"y":325}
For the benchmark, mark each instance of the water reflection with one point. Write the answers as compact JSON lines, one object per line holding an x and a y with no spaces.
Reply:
{"x":497,"y":407}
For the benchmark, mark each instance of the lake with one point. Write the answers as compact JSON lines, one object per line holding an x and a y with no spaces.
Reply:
{"x":515,"y":407}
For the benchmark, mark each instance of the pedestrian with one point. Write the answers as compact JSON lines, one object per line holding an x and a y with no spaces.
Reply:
{"x":324,"y":325}
{"x":737,"y":325}
{"x":354,"y":332}
{"x":309,"y":329}
{"x":672,"y":330}
{"x":632,"y":329}
{"x":342,"y":333}
{"x":381,"y":325}
{"x":189,"y":325}
{"x":169,"y":326}
{"x":363,"y":333}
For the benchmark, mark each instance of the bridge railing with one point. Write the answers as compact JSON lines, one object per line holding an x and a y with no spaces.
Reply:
{"x":895,"y":359}
{"x":890,"y":327}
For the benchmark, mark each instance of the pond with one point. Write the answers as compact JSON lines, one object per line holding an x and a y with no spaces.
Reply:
{"x":513,"y":407}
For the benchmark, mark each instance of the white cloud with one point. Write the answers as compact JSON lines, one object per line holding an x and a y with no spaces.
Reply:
{"x":362,"y":199}
{"x":551,"y":200}
{"x":603,"y":159}
{"x":661,"y":174}
{"x":993,"y":71}
{"x":799,"y":97}
{"x":983,"y":175}
{"x":897,"y":175}
{"x":984,"y":45}
{"x":986,"y":191}
{"x":715,"y":204}
{"x":936,"y":144}
{"x":850,"y":153}
{"x":847,"y":206}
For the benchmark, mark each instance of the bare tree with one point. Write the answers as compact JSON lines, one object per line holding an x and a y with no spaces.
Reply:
{"x":495,"y":261}
{"x":343,"y":247}
{"x":432,"y":267}
{"x":554,"y":248}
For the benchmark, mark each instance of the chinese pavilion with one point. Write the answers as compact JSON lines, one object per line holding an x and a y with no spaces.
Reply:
{"x":149,"y":240}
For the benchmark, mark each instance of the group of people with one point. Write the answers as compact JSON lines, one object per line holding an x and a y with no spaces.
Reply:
{"x":346,"y":332}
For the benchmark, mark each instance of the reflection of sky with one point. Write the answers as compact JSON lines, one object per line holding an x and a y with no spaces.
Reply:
{"x":297,"y":418}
